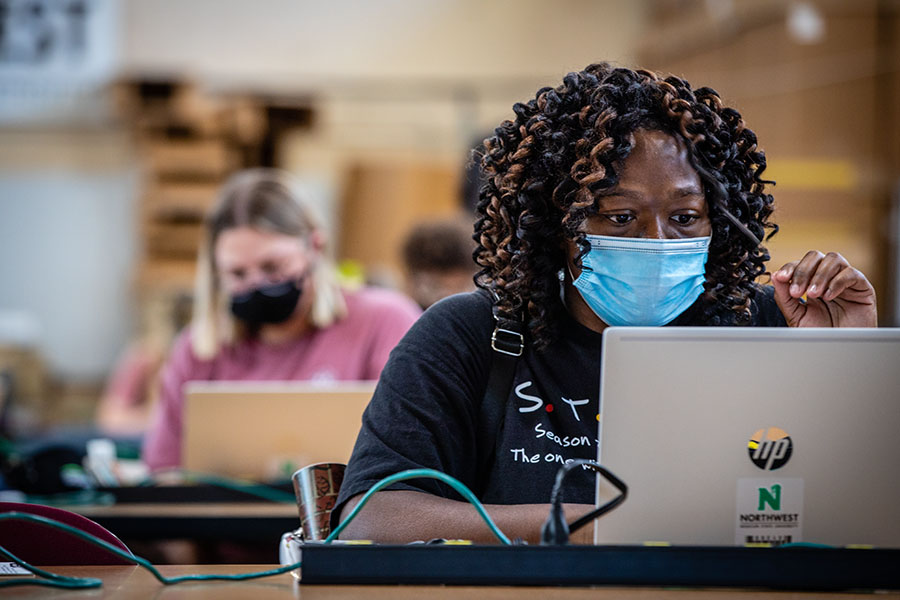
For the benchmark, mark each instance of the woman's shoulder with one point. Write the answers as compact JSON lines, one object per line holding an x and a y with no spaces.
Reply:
{"x":182,"y":359}
{"x":450,"y":341}
{"x":468,"y":306}
{"x":182,"y":349}
{"x":466,"y":315}
{"x":477,"y":301}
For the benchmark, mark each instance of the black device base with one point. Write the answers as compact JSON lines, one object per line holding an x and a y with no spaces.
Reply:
{"x":806,"y":568}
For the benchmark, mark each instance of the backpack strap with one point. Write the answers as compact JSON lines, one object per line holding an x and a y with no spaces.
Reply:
{"x":508,"y":344}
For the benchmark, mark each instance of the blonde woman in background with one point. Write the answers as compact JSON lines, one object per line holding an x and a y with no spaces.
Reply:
{"x":268,"y":307}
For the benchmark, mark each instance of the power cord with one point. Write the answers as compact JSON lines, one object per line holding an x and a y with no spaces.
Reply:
{"x":73,"y":498}
{"x":266,"y":492}
{"x":555,"y":530}
{"x":106,"y":498}
{"x":418,"y":474}
{"x":59,"y":581}
{"x":49,"y":579}
{"x":53,"y":580}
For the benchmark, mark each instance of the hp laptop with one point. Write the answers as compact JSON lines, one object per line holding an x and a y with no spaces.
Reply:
{"x":737,"y":436}
{"x":265,"y":430}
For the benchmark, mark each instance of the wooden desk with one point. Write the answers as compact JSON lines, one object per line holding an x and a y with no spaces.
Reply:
{"x":234,"y":521}
{"x":135,"y":582}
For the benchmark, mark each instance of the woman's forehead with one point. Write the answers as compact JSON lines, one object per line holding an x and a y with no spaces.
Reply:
{"x":249,"y":244}
{"x":656,"y":143}
{"x":658,"y":163}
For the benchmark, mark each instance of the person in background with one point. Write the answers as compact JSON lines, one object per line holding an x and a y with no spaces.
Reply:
{"x":268,"y":306}
{"x":438,"y":260}
{"x":620,"y":197}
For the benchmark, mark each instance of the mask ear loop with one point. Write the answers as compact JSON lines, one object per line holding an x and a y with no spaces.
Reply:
{"x":572,"y":278}
{"x":569,"y":271}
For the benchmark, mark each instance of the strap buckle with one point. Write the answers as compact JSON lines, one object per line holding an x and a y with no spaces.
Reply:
{"x":507,"y":341}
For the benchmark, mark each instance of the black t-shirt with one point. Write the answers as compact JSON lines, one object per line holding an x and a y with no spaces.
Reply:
{"x":427,"y":404}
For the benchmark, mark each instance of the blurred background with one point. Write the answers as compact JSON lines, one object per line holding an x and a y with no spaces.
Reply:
{"x":119,"y":119}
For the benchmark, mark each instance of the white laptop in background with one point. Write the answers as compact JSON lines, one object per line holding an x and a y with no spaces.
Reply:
{"x":263,"y":430}
{"x":734,"y":436}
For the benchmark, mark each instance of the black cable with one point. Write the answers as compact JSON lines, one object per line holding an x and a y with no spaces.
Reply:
{"x":602,"y":510}
{"x":555,"y":529}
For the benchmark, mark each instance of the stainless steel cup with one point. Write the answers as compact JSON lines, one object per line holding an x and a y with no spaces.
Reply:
{"x":316,"y":488}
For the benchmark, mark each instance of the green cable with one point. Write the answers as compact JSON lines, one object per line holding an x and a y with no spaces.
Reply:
{"x":256,"y":489}
{"x":60,"y":581}
{"x":253,"y":488}
{"x":418,"y":474}
{"x":90,"y":496}
{"x":50,"y":579}
{"x":74,"y":498}
{"x":79,"y":582}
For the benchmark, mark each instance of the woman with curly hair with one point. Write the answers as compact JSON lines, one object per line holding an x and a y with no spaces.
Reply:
{"x":618,"y":198}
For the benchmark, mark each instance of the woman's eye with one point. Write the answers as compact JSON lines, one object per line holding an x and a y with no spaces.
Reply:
{"x":620,"y":219}
{"x":270,"y":269}
{"x":684,"y":219}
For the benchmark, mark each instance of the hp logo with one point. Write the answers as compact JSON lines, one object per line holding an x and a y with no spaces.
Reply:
{"x":770,"y":448}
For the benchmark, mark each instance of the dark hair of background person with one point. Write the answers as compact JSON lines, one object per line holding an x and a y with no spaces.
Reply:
{"x":439,"y":246}
{"x":545,"y":170}
{"x":438,"y":257}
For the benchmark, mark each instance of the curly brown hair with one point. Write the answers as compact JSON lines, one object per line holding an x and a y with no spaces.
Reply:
{"x":545,"y":170}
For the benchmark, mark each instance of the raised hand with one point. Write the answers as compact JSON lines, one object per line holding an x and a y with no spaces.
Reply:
{"x":837,"y":295}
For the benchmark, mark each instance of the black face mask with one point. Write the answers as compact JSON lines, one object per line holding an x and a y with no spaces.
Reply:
{"x":273,"y":303}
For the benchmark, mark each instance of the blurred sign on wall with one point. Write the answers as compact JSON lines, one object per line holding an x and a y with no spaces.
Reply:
{"x":55,"y":57}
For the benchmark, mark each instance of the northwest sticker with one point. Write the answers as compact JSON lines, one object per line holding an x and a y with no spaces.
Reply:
{"x":769,"y":511}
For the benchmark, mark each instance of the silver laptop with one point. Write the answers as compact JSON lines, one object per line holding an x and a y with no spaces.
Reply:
{"x":737,"y":436}
{"x":267,"y":429}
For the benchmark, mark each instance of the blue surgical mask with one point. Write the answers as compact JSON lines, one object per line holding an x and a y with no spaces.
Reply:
{"x":641,"y":281}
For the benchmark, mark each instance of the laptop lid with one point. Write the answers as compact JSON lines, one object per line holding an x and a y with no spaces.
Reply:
{"x":748,"y":435}
{"x":265,"y":430}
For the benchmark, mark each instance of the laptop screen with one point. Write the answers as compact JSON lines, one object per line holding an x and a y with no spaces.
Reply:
{"x":265,"y":430}
{"x":747,"y":435}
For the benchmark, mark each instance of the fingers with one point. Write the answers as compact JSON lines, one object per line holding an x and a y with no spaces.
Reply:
{"x":820,"y":282}
{"x":816,"y":275}
{"x":792,"y":308}
{"x":840,"y":296}
{"x":784,"y":274}
{"x":848,"y":283}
